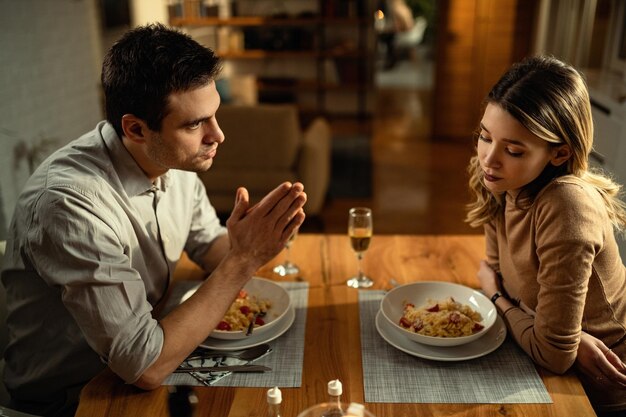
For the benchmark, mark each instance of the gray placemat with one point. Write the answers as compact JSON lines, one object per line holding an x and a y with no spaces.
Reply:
{"x":286,"y":356}
{"x":506,"y":375}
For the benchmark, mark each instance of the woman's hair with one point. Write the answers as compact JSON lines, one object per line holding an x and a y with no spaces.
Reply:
{"x":551,"y":100}
{"x":148,"y":64}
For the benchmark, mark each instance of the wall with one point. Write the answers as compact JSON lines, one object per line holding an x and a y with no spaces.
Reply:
{"x":49,"y":83}
{"x":477,"y":41}
{"x":148,"y":11}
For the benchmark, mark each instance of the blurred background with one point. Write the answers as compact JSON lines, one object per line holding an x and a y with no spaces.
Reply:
{"x":401,"y":84}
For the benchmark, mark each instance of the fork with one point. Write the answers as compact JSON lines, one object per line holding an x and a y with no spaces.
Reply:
{"x":251,"y":325}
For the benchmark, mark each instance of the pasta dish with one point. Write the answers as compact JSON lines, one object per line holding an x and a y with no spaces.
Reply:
{"x":445,"y":318}
{"x":242,"y":311}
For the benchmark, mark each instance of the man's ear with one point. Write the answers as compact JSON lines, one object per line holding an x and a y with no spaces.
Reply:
{"x":134,"y":128}
{"x":560,"y":155}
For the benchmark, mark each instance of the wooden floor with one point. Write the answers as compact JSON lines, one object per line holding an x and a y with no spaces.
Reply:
{"x":419,"y":184}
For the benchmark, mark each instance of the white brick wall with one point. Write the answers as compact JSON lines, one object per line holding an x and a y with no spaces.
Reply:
{"x":50,"y":55}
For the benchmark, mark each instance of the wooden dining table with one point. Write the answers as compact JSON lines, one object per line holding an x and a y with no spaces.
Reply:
{"x":326,"y":261}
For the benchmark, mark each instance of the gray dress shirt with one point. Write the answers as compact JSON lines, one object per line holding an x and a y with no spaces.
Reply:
{"x":91,"y":250}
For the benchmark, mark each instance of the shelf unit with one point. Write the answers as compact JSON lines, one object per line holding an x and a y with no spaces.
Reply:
{"x":319,"y":54}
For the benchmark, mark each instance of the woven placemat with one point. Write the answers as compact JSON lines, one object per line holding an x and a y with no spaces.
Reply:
{"x":506,"y":375}
{"x":285,"y":359}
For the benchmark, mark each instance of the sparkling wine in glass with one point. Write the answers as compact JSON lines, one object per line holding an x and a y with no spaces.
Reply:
{"x":360,"y":229}
{"x":288,"y":267}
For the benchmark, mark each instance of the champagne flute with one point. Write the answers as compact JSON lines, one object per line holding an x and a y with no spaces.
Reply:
{"x":288,"y":267}
{"x":360,"y":230}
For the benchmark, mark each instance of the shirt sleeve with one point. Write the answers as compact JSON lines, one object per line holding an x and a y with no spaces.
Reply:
{"x":205,"y":225}
{"x":74,"y":244}
{"x":569,"y":233}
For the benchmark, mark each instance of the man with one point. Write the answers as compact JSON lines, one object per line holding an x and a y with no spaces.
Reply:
{"x":101,"y":224}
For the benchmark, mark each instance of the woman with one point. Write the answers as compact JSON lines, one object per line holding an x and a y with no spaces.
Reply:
{"x":553,"y":267}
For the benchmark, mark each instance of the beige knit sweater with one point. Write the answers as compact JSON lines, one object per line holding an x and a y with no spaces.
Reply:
{"x":560,"y":260}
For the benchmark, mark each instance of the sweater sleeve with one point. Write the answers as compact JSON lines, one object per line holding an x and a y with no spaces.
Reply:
{"x":491,"y":248}
{"x":568,"y":231}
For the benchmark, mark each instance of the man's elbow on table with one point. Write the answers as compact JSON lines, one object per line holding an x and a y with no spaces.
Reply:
{"x":153,"y":377}
{"x":150,"y":380}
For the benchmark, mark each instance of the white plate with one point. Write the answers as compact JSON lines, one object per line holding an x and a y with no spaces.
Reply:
{"x":418,"y":293}
{"x":261,"y":288}
{"x":282,"y":325}
{"x":486,"y":344}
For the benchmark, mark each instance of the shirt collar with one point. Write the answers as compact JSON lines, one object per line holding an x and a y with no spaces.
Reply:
{"x":133,"y":179}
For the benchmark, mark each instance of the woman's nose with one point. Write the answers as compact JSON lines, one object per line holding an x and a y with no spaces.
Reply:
{"x":490,"y":157}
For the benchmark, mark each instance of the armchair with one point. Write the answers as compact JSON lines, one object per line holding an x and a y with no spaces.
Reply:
{"x":265,"y":146}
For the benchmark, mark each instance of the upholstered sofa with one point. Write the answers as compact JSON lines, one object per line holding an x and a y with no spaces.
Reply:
{"x":264,"y":146}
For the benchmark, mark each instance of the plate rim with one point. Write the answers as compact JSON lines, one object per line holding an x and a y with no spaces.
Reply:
{"x":498,"y":326}
{"x":235,"y":344}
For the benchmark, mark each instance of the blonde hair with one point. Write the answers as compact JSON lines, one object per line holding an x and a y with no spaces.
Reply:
{"x":551,"y":100}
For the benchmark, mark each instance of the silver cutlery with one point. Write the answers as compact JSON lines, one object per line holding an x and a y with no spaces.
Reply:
{"x":228,"y":368}
{"x":246,"y":355}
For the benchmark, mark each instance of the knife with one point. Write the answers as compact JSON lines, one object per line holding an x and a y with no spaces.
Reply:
{"x":230,"y":368}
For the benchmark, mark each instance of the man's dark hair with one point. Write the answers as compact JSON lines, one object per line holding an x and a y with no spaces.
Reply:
{"x":148,"y":64}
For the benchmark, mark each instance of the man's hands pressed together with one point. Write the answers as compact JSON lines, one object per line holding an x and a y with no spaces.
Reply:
{"x":258,"y":233}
